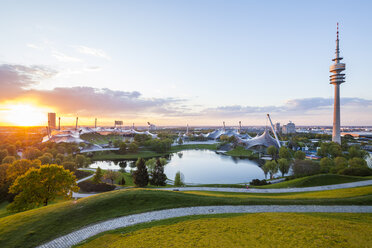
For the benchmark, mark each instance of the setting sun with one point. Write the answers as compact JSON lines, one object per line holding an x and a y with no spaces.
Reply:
{"x":25,"y":115}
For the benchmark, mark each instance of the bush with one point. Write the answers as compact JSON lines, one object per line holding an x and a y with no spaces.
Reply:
{"x":81,"y":174}
{"x":305,"y":168}
{"x":258,"y":182}
{"x":356,"y":171}
{"x":89,"y":186}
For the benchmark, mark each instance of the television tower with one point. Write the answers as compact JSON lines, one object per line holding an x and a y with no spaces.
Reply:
{"x":336,"y":79}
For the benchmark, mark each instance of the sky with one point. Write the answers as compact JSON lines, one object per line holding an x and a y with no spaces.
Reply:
{"x":183,"y":62}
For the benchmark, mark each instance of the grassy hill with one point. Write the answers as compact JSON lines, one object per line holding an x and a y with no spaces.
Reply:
{"x":316,"y":180}
{"x":243,"y":230}
{"x":34,"y":227}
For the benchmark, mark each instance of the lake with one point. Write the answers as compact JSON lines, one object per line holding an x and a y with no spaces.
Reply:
{"x":203,"y":167}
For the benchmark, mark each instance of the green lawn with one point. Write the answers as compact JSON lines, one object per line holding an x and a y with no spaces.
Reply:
{"x":242,"y":152}
{"x":34,"y":227}
{"x":316,"y":180}
{"x":3,"y":211}
{"x":101,"y":139}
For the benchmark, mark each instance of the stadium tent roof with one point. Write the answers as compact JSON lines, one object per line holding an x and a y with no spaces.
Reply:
{"x":264,"y":139}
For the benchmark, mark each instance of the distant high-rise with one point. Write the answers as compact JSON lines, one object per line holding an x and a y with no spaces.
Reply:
{"x":52,"y":120}
{"x":289,"y":128}
{"x":336,"y":79}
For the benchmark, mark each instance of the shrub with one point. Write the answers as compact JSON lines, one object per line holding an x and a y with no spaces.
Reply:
{"x":81,"y":174}
{"x":258,"y":182}
{"x":89,"y":186}
{"x":356,"y":171}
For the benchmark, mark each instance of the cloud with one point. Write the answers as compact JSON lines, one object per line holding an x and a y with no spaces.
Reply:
{"x":65,"y":58}
{"x":33,"y":46}
{"x":16,"y":81}
{"x":92,"y":51}
{"x":305,"y":106}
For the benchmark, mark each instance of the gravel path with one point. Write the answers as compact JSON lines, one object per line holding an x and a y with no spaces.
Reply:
{"x":89,"y":231}
{"x":283,"y":190}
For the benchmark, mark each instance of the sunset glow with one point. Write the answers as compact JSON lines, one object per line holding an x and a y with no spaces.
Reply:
{"x":25,"y":115}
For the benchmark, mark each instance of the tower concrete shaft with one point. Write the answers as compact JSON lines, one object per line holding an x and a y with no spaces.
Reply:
{"x":336,"y":79}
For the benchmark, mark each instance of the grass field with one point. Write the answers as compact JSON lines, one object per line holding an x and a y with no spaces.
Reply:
{"x":316,"y":180}
{"x":248,"y":230}
{"x":31,"y":228}
{"x":332,"y":194}
{"x":101,"y":139}
{"x":242,"y":152}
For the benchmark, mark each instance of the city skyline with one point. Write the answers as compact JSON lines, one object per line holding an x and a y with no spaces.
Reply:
{"x":152,"y":62}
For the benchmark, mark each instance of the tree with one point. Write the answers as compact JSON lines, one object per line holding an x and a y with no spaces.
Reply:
{"x":20,"y":167}
{"x":98,"y":175}
{"x":12,"y":151}
{"x":45,"y":159}
{"x":180,"y":141}
{"x":9,"y":160}
{"x":335,"y":150}
{"x":272,"y":151}
{"x":151,"y":164}
{"x":123,"y":148}
{"x":284,"y":153}
{"x":326,"y":164}
{"x":71,"y":166}
{"x":40,"y":186}
{"x":158,"y":177}
{"x":133,"y":148}
{"x":32,"y":153}
{"x":283,"y":166}
{"x":266,"y":169}
{"x":4,"y":182}
{"x":299,"y":155}
{"x":111,"y":175}
{"x":178,"y":180}
{"x":122,"y":181}
{"x":3,"y":154}
{"x":340,"y":163}
{"x":141,"y":176}
{"x":273,"y":168}
{"x":80,"y":160}
{"x":357,"y":163}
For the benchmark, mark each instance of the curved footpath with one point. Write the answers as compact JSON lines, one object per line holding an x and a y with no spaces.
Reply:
{"x":282,"y":190}
{"x":89,"y":231}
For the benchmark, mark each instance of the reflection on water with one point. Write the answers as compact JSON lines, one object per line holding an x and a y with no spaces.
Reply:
{"x":203,"y":167}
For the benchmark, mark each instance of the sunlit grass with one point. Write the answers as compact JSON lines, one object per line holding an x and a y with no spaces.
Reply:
{"x":250,"y":230}
{"x":336,"y":193}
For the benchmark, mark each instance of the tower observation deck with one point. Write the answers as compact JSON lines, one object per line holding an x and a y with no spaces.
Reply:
{"x":336,"y":79}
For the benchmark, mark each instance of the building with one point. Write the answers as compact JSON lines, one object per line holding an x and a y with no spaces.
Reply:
{"x":277,"y":127}
{"x":52,"y":120}
{"x":336,"y":79}
{"x":289,"y":128}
